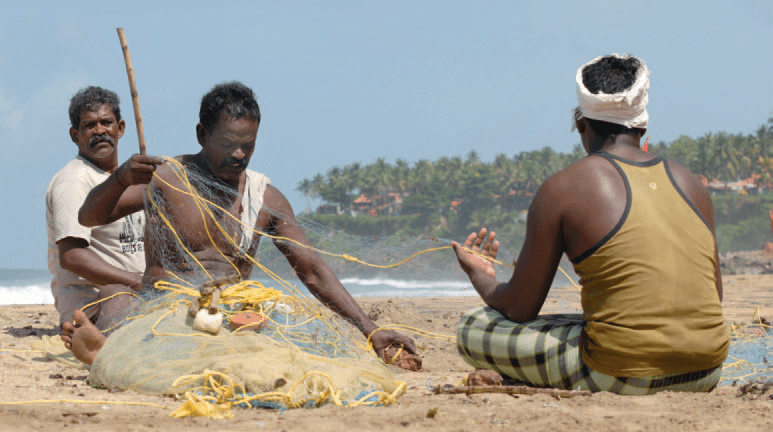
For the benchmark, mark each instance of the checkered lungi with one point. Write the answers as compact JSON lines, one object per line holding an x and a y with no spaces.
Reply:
{"x":545,"y":352}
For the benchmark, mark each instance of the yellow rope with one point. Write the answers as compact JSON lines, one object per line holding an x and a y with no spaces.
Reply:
{"x":220,"y":394}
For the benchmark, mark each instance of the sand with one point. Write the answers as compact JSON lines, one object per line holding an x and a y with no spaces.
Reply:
{"x":27,"y":376}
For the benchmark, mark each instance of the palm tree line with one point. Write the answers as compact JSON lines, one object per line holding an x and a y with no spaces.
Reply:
{"x":453,"y":195}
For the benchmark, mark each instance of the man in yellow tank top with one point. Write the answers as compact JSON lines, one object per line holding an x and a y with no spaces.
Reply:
{"x":639,"y":230}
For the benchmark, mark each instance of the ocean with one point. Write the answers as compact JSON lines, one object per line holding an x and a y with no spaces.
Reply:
{"x":33,"y":286}
{"x":25,"y":286}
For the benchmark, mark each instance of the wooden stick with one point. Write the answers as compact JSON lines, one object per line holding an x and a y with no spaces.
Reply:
{"x":133,"y":88}
{"x":510,"y":390}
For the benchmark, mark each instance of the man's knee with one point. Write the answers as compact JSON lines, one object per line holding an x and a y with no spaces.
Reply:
{"x":107,"y":291}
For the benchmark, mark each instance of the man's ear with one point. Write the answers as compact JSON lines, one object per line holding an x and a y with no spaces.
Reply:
{"x":121,"y":128}
{"x":201,"y":133}
{"x":74,"y":135}
{"x":580,"y":124}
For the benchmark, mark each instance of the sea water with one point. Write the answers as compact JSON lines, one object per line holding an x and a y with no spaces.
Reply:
{"x":25,"y":286}
{"x":33,"y":286}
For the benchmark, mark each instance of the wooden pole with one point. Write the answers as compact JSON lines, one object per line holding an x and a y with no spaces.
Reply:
{"x":133,"y":87}
{"x":510,"y":390}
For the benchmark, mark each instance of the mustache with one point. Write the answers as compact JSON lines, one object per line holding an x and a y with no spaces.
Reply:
{"x":241,"y":164}
{"x":96,"y":139}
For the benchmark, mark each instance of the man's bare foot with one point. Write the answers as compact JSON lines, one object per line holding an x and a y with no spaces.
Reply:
{"x":84,"y":338}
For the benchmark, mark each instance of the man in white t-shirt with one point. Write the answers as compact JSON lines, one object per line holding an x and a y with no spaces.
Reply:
{"x":92,"y":264}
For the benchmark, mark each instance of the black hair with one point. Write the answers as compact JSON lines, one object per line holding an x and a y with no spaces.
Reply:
{"x":92,"y":98}
{"x":610,"y":75}
{"x":237,"y":99}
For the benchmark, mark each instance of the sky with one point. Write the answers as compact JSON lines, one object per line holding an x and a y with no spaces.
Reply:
{"x":344,"y":81}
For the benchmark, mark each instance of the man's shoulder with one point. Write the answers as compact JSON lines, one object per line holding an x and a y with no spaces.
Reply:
{"x":578,"y":171}
{"x":580,"y":179}
{"x":684,"y":178}
{"x":75,"y":165}
{"x":77,"y":171}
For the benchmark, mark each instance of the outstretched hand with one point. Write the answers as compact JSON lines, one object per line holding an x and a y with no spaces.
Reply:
{"x":383,"y":339}
{"x":477,"y":248}
{"x":138,"y":169}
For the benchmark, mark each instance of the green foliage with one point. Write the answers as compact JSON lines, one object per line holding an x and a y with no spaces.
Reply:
{"x":731,"y":209}
{"x":452,"y":196}
{"x":365,"y":225}
{"x":747,"y":234}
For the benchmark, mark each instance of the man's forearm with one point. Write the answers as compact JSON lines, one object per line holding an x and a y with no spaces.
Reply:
{"x":485,"y":284}
{"x":88,"y":265}
{"x":101,"y":202}
{"x":328,"y":290}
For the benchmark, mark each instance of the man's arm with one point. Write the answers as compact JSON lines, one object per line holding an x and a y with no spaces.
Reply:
{"x":75,"y":256}
{"x":521,"y":298}
{"x":63,"y":201}
{"x":120,"y":194}
{"x":319,"y":278}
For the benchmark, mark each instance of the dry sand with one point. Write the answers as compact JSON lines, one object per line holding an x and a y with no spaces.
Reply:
{"x":27,"y":376}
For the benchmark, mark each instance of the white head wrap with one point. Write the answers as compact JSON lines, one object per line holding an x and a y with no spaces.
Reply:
{"x":628,"y":108}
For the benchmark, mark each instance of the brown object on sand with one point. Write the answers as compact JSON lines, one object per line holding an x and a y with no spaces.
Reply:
{"x":405,"y":360}
{"x":484,"y":377}
{"x":247,"y":321}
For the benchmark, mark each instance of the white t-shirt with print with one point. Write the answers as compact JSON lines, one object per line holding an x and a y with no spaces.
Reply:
{"x":120,"y":243}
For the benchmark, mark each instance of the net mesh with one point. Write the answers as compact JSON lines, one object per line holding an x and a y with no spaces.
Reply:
{"x":305,"y":355}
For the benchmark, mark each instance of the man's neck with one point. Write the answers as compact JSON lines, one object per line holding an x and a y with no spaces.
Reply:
{"x":621,"y":143}
{"x":108,"y":164}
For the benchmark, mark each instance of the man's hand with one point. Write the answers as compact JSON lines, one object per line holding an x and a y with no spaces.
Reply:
{"x":138,"y":169}
{"x":383,"y":339}
{"x":479,"y":243}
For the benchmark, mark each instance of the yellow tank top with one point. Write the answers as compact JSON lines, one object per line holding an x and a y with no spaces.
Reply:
{"x":649,"y":297}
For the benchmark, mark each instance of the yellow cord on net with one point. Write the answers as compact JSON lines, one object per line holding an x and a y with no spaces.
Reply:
{"x":745,"y":368}
{"x":219,"y":394}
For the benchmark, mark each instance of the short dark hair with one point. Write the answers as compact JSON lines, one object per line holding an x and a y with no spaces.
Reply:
{"x":92,"y":98}
{"x":611,"y":74}
{"x":237,"y":99}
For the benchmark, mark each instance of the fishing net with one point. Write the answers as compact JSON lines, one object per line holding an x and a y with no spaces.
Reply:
{"x":304,"y":355}
{"x":750,"y":358}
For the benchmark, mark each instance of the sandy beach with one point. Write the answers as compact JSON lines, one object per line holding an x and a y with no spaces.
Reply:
{"x":30,"y":379}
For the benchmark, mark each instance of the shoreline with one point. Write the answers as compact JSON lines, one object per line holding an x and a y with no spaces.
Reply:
{"x":27,"y":376}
